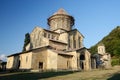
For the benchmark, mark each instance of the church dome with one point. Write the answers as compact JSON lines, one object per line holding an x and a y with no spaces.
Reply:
{"x":61,"y":20}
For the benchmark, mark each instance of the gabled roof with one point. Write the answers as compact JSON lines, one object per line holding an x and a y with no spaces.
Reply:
{"x":77,"y":31}
{"x":78,"y":49}
{"x":46,"y":47}
{"x":58,"y":41}
{"x":101,"y":44}
{"x":50,"y":31}
{"x":36,"y":28}
{"x":40,"y":28}
{"x":62,"y":53}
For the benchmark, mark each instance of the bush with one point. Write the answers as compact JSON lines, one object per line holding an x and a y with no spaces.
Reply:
{"x":115,"y":62}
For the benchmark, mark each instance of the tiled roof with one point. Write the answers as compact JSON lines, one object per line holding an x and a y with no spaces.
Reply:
{"x":58,"y":41}
{"x":29,"y":51}
{"x":62,"y":53}
{"x":61,"y":11}
{"x":101,"y":44}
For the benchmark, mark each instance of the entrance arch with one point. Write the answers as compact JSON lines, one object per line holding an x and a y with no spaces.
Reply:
{"x":82,"y":60}
{"x":19,"y":62}
{"x":82,"y":57}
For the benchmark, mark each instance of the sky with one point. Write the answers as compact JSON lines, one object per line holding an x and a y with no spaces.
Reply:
{"x":93,"y":18}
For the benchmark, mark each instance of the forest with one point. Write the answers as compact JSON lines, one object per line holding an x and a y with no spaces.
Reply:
{"x":112,"y":45}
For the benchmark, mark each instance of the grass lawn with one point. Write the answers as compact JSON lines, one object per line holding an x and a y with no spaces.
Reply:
{"x":32,"y":75}
{"x":113,"y":74}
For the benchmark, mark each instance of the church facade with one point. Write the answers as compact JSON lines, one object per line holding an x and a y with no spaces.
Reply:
{"x":59,"y":48}
{"x":101,"y":59}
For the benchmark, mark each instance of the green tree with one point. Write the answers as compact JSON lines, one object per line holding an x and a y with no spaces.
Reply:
{"x":111,"y":42}
{"x":93,"y":49}
{"x":26,"y":41}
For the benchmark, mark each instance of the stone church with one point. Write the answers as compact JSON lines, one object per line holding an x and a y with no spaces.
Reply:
{"x":101,"y":59}
{"x":59,"y":48}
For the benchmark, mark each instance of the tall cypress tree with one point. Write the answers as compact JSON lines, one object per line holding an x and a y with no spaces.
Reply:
{"x":26,"y":41}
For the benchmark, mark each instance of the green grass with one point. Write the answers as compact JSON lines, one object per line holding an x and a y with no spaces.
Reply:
{"x":63,"y":75}
{"x":31,"y":75}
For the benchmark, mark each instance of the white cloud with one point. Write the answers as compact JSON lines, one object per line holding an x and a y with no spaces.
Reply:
{"x":3,"y":57}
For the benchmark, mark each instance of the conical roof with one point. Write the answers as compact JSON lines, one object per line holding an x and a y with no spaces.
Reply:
{"x":61,"y":11}
{"x":101,"y":44}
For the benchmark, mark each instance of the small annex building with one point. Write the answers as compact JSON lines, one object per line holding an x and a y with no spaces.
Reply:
{"x":101,"y":59}
{"x":59,"y":48}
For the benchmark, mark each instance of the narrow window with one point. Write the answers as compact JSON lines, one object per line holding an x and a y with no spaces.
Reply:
{"x":79,"y":42}
{"x":68,"y":64}
{"x":56,"y":25}
{"x":48,"y":35}
{"x":53,"y":36}
{"x":74,"y":43}
{"x":8,"y":62}
{"x":102,"y":49}
{"x":57,"y":37}
{"x":45,"y":34}
{"x":26,"y":59}
{"x":99,"y":49}
{"x":69,"y":43}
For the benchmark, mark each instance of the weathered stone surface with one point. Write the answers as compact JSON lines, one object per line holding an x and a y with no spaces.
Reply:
{"x":61,"y":47}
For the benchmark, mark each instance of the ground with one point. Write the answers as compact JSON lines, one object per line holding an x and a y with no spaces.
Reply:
{"x":111,"y":74}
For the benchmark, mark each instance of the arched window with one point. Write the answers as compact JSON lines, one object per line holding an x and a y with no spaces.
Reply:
{"x":26,"y":59}
{"x":82,"y":57}
{"x":74,"y":43}
{"x":48,"y":35}
{"x":79,"y":42}
{"x":45,"y":34}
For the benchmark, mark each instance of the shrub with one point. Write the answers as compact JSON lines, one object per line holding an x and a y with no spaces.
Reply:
{"x":115,"y":62}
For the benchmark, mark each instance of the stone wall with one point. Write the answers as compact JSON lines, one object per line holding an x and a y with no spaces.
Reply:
{"x":57,"y":45}
{"x":39,"y":59}
{"x":52,"y":60}
{"x":64,"y":37}
{"x":10,"y":62}
{"x":84,"y":59}
{"x":61,"y":21}
{"x":74,"y":61}
{"x":37,"y":38}
{"x":16,"y":62}
{"x":25,"y":60}
{"x":64,"y":62}
{"x":88,"y":60}
{"x":75,"y":40}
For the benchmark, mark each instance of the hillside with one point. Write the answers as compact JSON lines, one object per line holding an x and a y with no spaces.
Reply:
{"x":111,"y":42}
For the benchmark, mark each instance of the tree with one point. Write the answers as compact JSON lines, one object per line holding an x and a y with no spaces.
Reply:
{"x":26,"y":41}
{"x":111,"y":42}
{"x":93,"y":49}
{"x":116,"y":51}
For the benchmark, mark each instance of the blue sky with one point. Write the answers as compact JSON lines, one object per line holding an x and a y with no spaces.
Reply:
{"x":93,"y":18}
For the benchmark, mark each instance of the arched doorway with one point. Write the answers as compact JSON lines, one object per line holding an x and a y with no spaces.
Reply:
{"x":19,"y":64}
{"x":82,"y":59}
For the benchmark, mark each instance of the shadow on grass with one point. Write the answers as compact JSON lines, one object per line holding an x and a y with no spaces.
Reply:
{"x":32,"y":75}
{"x":115,"y":77}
